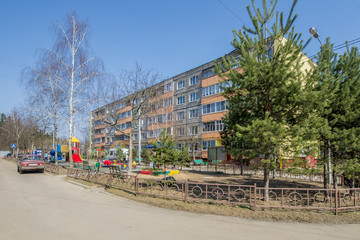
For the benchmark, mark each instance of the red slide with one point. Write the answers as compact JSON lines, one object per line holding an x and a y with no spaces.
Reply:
{"x":76,"y":158}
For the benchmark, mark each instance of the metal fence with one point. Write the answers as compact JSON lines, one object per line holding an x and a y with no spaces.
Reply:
{"x":245,"y":195}
{"x":108,"y":180}
{"x":236,"y":169}
{"x":52,"y":168}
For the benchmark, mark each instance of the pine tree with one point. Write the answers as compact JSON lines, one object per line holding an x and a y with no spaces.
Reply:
{"x":164,"y":150}
{"x":265,"y":97}
{"x":335,"y":96}
{"x":182,"y":157}
{"x":345,"y":116}
{"x":322,"y":96}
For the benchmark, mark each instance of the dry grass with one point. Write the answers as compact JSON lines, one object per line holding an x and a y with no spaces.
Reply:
{"x":303,"y":216}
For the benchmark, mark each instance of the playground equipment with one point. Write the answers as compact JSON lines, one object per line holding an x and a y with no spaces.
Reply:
{"x":74,"y":149}
{"x":58,"y":150}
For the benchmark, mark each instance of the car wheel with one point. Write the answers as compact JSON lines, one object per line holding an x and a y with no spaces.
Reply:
{"x":21,"y":171}
{"x":42,"y":171}
{"x":18,"y":169}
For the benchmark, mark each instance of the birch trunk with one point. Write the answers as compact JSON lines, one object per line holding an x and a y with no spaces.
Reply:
{"x":71,"y":104}
{"x":130,"y":153}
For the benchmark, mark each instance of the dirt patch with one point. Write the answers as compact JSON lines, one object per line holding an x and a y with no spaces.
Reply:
{"x":223,"y":178}
{"x":303,"y":216}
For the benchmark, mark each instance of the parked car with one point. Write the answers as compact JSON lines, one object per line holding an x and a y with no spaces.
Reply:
{"x":29,"y":163}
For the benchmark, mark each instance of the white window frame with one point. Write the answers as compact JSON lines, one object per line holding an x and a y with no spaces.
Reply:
{"x":180,"y":84}
{"x":195,"y":113}
{"x":209,"y":143}
{"x":181,"y":102}
{"x":193,"y":97}
{"x":193,"y":80}
{"x":182,"y":113}
{"x":214,"y":107}
{"x":192,"y":130}
{"x":168,"y":87}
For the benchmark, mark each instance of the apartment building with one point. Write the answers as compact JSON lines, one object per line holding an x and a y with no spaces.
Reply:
{"x":190,"y":107}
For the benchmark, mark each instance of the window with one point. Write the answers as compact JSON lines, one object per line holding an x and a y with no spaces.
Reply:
{"x":208,"y":73}
{"x":99,"y":131}
{"x":193,"y":97}
{"x":213,"y":126}
{"x":120,"y":105}
{"x":181,"y":100}
{"x":181,"y":84}
{"x":193,"y":80}
{"x":168,"y":87}
{"x":169,"y":131}
{"x":110,"y":130}
{"x":125,"y":126}
{"x":213,"y":89}
{"x":209,"y":143}
{"x":121,"y":137}
{"x":98,"y":122}
{"x":220,"y":106}
{"x":180,"y":131}
{"x":180,"y":116}
{"x":191,"y":147}
{"x":193,"y":130}
{"x":125,"y":115}
{"x":167,"y":102}
{"x":214,"y":107}
{"x":154,"y":133}
{"x":169,"y":117}
{"x":194,"y":113}
{"x":160,"y":118}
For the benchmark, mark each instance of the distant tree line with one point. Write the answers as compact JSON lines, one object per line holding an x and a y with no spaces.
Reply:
{"x":24,"y":131}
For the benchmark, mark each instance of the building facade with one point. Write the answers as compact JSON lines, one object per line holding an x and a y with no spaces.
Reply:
{"x":190,"y":107}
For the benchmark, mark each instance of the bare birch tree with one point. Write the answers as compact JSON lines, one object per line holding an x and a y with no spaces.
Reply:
{"x":78,"y":71}
{"x":135,"y":87}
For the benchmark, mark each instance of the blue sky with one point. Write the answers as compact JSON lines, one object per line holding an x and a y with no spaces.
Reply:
{"x":167,"y":35}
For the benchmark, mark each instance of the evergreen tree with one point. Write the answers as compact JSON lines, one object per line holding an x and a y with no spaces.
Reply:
{"x":164,"y":150}
{"x":182,"y":157}
{"x":334,"y":98}
{"x":321,"y":97}
{"x":265,"y":98}
{"x":345,"y":115}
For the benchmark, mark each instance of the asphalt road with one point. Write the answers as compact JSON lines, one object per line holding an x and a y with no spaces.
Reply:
{"x":44,"y":206}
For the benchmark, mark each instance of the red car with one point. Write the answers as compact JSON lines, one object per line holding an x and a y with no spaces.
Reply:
{"x":29,"y":163}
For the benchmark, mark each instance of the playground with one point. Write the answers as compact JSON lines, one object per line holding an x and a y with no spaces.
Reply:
{"x":62,"y":152}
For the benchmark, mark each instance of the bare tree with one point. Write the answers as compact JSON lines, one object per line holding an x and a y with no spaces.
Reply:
{"x":135,"y":87}
{"x":44,"y":97}
{"x":78,"y":71}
